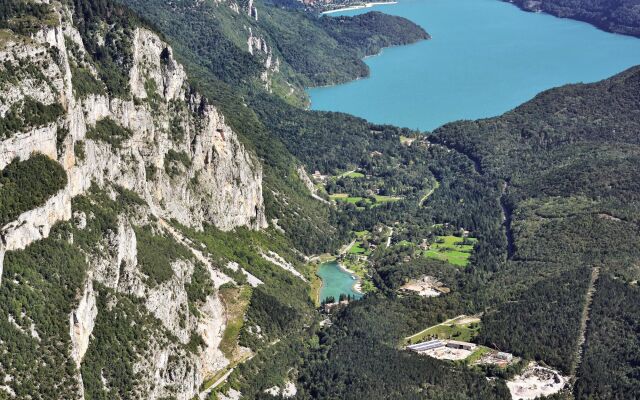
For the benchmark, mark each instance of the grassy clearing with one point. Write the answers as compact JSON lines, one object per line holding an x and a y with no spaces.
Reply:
{"x":353,"y":174}
{"x":406,"y":140}
{"x":361,"y":234}
{"x":236,"y":301}
{"x":452,"y":249}
{"x":374,"y":201}
{"x":476,"y":355}
{"x":315,"y":284}
{"x":451,"y":329}
{"x":356,"y":199}
{"x":386,"y":199}
{"x":360,"y":269}
{"x":338,"y":196}
{"x":357,"y":249}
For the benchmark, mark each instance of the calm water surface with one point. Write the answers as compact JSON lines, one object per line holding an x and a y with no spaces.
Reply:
{"x":335,"y":281}
{"x":485,"y":57}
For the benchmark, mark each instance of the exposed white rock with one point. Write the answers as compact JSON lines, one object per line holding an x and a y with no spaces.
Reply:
{"x":8,"y":390}
{"x":231,"y":394}
{"x":258,"y":46}
{"x":217,"y":276}
{"x":228,"y":192}
{"x":220,"y":184}
{"x":276,"y":259}
{"x":153,"y":60}
{"x":34,"y":225}
{"x":169,"y":303}
{"x":116,"y":266}
{"x":302,"y":173}
{"x":211,"y":327}
{"x":251,"y":279}
{"x":289,"y":390}
{"x":82,"y":321}
{"x":252,"y":11}
{"x":23,"y":145}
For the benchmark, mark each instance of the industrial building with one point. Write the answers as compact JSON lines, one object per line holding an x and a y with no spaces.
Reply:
{"x":454,"y":344}
{"x":431,"y":344}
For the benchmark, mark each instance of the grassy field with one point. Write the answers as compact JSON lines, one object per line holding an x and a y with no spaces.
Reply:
{"x":386,"y":199}
{"x":476,"y":355}
{"x":236,"y":301}
{"x":357,"y":249}
{"x":353,"y":174}
{"x":379,"y":200}
{"x":345,"y":197}
{"x":448,"y":330}
{"x":315,"y":286}
{"x":451,"y":249}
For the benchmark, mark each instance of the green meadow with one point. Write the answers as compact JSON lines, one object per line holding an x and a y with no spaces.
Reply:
{"x":447,"y":331}
{"x":451,"y":249}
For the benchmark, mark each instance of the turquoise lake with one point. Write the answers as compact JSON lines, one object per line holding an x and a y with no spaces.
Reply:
{"x":335,"y":281}
{"x":485,"y":57}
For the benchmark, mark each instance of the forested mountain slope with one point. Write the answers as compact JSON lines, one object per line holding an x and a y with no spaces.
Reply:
{"x":244,"y":42}
{"x":289,"y":49}
{"x":568,"y":162}
{"x":157,"y":220}
{"x":619,"y":16}
{"x":120,"y":183}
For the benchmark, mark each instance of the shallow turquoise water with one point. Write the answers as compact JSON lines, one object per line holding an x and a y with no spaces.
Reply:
{"x":335,"y":281}
{"x":485,"y":57}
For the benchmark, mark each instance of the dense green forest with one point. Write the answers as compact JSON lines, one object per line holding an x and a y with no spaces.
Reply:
{"x":550,"y":191}
{"x":502,"y":169}
{"x":39,"y":287}
{"x":329,"y":51}
{"x":25,"y":185}
{"x":619,"y":16}
{"x":609,"y":368}
{"x":569,"y":162}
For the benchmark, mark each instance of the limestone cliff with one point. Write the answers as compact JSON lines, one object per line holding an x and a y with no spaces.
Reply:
{"x":167,"y":145}
{"x":181,"y":156}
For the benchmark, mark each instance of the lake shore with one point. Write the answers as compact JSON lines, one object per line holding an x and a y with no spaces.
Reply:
{"x":354,"y":285}
{"x":366,"y":5}
{"x":451,"y":76}
{"x":357,"y":286}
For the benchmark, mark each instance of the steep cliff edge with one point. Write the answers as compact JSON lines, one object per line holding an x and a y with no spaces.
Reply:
{"x":137,"y":153}
{"x":165,"y":143}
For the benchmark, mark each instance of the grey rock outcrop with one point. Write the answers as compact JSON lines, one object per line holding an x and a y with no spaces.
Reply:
{"x":180,"y":157}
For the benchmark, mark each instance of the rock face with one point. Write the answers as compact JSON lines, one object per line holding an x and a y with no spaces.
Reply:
{"x":258,"y":46}
{"x":202,"y":173}
{"x":179,"y":157}
{"x":82,"y":321}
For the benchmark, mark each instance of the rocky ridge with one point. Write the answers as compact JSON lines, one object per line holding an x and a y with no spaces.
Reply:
{"x":179,"y":157}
